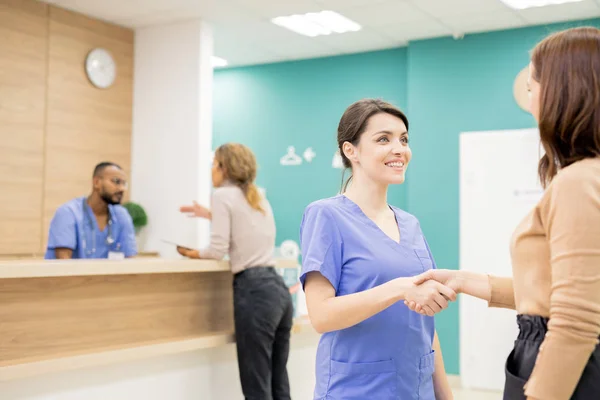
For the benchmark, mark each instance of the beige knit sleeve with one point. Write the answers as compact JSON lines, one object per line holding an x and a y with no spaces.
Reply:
{"x":220,"y":227}
{"x":571,"y":218}
{"x":503,"y":294}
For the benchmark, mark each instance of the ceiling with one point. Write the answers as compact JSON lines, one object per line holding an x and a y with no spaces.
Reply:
{"x":244,"y":34}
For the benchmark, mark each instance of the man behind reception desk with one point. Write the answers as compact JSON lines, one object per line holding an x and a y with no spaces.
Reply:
{"x":94,"y":226}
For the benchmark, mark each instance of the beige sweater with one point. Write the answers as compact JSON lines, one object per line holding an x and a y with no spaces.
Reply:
{"x":555,"y":255}
{"x":245,"y":234}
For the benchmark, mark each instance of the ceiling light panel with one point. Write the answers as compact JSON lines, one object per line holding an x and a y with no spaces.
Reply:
{"x":218,"y":62}
{"x":317,"y":23}
{"x":524,"y":4}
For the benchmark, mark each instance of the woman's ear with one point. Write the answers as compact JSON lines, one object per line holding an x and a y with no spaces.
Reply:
{"x":349,"y":151}
{"x":222,"y":169}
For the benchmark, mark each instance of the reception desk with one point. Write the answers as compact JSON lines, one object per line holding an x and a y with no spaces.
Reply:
{"x":65,"y":315}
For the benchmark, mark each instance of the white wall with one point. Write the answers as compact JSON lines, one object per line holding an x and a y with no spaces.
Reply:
{"x":173,"y":377}
{"x":202,"y":375}
{"x":510,"y":189}
{"x":172,"y":131}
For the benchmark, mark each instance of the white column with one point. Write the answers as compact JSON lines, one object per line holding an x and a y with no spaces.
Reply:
{"x":172,"y":131}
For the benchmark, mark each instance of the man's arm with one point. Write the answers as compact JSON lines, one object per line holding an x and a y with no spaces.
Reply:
{"x":62,"y":233}
{"x":63,"y":253}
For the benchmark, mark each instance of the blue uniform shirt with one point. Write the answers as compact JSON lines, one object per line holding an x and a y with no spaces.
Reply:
{"x":74,"y":227}
{"x":389,"y":355}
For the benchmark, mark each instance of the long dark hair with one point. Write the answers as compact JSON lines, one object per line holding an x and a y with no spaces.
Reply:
{"x":354,"y":123}
{"x":567,"y":67}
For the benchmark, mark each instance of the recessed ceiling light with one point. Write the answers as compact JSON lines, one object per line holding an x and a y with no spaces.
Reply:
{"x":218,"y":62}
{"x":317,"y":23}
{"x":523,"y":4}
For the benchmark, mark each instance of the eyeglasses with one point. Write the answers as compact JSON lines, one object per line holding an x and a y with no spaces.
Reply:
{"x":119,"y":182}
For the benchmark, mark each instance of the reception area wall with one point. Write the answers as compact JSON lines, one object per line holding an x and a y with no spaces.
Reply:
{"x":55,"y":126}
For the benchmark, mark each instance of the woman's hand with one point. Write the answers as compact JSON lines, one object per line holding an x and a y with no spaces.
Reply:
{"x":470,"y":283}
{"x":196,"y":210}
{"x":446,"y":277}
{"x":190,"y":253}
{"x":430,"y":295}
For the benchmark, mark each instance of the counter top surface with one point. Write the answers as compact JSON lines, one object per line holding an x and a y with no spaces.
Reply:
{"x":55,"y":268}
{"x":74,"y":320}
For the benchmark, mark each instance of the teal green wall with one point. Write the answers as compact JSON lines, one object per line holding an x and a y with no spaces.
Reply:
{"x":447,"y":86}
{"x":458,"y":86}
{"x":271,"y":107}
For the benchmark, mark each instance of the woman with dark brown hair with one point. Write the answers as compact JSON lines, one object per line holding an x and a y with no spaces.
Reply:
{"x":555,"y":251}
{"x":242,"y":225}
{"x":360,"y":257}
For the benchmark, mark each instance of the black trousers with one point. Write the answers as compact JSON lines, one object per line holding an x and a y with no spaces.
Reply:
{"x":520,"y":362}
{"x":264,"y":314}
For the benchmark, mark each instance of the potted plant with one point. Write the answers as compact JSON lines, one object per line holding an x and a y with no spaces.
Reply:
{"x":140,"y":220}
{"x":138,"y":215}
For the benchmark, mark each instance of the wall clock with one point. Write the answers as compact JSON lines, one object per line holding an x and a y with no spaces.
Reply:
{"x":520,"y":89}
{"x":100,"y":68}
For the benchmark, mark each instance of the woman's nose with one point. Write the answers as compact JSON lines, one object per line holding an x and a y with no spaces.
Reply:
{"x":398,"y":147}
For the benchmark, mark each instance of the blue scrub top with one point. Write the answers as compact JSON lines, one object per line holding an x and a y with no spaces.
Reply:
{"x":74,"y":227}
{"x":389,"y":355}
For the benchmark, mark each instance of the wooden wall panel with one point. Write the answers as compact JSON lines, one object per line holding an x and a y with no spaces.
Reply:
{"x":86,"y":125}
{"x":23,"y":65}
{"x":55,"y":126}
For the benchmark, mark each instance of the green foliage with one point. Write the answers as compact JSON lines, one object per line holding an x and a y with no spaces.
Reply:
{"x":138,"y":215}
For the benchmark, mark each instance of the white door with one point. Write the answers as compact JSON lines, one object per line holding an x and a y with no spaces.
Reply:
{"x":498,"y":187}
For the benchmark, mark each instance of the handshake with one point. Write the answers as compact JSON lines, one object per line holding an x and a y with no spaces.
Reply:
{"x":431,"y":291}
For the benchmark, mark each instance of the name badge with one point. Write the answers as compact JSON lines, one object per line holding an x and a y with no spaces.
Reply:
{"x":116,"y":255}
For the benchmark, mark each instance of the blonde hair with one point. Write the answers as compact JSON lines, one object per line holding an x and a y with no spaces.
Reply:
{"x":239,"y":167}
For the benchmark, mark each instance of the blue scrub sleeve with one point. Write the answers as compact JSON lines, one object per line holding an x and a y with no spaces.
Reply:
{"x":63,"y":232}
{"x":321,"y":245}
{"x":127,"y":236}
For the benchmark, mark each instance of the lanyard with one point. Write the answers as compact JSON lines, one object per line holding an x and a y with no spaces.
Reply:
{"x":109,"y":238}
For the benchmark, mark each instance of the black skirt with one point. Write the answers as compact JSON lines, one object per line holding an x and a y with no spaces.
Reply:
{"x":520,"y":362}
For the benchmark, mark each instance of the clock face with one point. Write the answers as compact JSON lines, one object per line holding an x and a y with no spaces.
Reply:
{"x":520,"y":91}
{"x":100,"y":68}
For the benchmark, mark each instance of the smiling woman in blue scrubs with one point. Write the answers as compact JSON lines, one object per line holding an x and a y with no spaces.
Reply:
{"x":360,"y":257}
{"x":94,"y":226}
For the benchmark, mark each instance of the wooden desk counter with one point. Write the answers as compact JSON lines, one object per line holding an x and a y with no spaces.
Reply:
{"x":33,"y":268}
{"x":62,"y":315}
